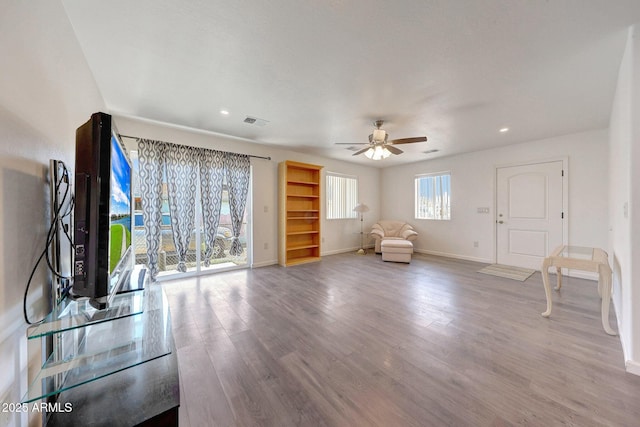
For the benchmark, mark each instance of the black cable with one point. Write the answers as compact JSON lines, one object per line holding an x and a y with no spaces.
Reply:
{"x":26,"y":291}
{"x":53,"y":232}
{"x":72,"y":203}
{"x":58,"y":218}
{"x":45,"y":252}
{"x":33,"y":271}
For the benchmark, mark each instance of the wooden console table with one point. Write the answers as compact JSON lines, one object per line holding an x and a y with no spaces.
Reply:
{"x":584,"y":259}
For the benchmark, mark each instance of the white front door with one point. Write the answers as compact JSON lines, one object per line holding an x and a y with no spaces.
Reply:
{"x":529,"y":213}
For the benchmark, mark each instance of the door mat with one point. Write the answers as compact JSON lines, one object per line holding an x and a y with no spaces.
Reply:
{"x":507,"y":271}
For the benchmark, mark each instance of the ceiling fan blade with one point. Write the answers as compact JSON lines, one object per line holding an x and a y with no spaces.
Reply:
{"x":394,"y":150}
{"x":409,"y":140}
{"x":360,"y":151}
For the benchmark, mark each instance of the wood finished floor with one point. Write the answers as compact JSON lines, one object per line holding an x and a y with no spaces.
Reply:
{"x":355,"y":341}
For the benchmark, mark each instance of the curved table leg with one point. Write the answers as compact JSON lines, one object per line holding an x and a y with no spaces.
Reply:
{"x":599,"y":287}
{"x":604,"y":286}
{"x":547,"y":288}
{"x":559,"y":278}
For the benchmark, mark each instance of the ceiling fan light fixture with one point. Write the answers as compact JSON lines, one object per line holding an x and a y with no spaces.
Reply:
{"x":369,"y":153}
{"x":378,"y":152}
{"x":379,"y":148}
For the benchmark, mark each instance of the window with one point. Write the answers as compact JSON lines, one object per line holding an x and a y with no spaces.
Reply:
{"x":167,"y":258}
{"x":342,"y":196}
{"x":433,"y":196}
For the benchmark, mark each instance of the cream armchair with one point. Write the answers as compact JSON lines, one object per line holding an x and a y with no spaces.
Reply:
{"x":393,"y":230}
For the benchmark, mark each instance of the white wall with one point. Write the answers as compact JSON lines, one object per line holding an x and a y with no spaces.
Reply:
{"x":338,"y":235}
{"x":473,"y":186}
{"x":624,"y":200}
{"x":46,"y":92}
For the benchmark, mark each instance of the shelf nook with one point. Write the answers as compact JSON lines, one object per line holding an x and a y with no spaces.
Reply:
{"x":299,"y":216}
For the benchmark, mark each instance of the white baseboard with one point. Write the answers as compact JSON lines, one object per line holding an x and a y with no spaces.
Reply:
{"x":632,"y":367}
{"x":456,"y":256}
{"x":340,"y":251}
{"x":264,"y":263}
{"x":333,"y":252}
{"x":623,"y":343}
{"x":344,"y":250}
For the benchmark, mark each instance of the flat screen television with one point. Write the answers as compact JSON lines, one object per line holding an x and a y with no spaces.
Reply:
{"x":103,"y":257}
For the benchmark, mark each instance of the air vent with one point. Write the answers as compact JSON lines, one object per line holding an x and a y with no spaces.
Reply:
{"x":255,"y":121}
{"x":431,"y":151}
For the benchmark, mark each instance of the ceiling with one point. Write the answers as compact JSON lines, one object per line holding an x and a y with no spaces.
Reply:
{"x":321,"y":71}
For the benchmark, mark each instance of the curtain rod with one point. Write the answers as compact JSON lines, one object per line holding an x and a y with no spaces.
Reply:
{"x":250,"y":155}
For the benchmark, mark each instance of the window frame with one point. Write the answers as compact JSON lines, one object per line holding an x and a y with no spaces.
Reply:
{"x":199,"y":269}
{"x":348,"y":210}
{"x":446,"y":191}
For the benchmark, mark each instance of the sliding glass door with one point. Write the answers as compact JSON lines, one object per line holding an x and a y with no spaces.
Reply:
{"x":168,"y":259}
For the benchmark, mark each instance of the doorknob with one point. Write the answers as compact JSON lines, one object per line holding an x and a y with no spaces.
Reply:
{"x":500,"y":222}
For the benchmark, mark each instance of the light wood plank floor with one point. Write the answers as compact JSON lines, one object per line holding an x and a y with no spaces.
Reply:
{"x":355,"y":341}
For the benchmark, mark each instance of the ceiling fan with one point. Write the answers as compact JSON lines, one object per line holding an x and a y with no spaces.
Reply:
{"x":379,"y":147}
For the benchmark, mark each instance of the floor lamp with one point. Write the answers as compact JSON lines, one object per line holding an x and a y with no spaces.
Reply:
{"x":361,"y":208}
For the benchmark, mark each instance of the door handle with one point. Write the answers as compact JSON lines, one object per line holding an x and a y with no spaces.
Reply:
{"x":500,"y":222}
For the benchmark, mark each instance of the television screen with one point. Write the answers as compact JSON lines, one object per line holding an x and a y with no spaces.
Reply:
{"x":119,"y":209}
{"x":102,"y":215}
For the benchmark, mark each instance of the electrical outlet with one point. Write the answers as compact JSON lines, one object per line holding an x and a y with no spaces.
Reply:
{"x":476,"y":244}
{"x":266,"y":209}
{"x":266,"y":246}
{"x":323,"y":240}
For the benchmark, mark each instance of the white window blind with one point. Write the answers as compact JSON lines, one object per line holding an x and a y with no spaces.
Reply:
{"x":433,"y":196}
{"x":341,"y":196}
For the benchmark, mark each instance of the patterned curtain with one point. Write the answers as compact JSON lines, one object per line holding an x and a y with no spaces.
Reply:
{"x":182,"y":177}
{"x":238,"y":174}
{"x":150,"y":154}
{"x":211,"y":180}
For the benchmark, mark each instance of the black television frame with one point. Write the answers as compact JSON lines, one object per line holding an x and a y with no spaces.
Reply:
{"x":92,"y":220}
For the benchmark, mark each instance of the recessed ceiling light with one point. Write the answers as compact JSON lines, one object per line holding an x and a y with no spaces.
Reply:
{"x":224,"y":112}
{"x":503,"y":130}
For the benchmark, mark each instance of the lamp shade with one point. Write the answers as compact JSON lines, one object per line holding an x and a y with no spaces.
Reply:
{"x":369,"y":153}
{"x":377,"y":152}
{"x":361,"y":207}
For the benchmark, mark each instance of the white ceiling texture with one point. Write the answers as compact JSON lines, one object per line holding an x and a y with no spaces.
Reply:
{"x":319,"y":72}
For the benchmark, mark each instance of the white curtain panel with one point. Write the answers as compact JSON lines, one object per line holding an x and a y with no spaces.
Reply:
{"x":211,"y":182}
{"x":238,"y":168}
{"x":151,"y":167}
{"x":181,"y":164}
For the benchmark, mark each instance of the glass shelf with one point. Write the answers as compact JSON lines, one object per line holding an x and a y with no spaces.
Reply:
{"x":72,"y":314}
{"x":106,"y":348}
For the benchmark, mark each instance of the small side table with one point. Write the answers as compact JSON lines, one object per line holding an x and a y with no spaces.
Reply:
{"x":584,"y":259}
